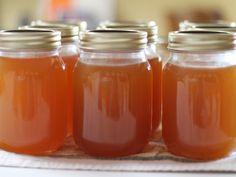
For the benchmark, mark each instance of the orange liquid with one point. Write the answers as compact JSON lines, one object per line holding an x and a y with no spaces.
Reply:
{"x":156,"y":66}
{"x":70,"y":62}
{"x":32,"y":105}
{"x":199,"y":111}
{"x":112,"y":108}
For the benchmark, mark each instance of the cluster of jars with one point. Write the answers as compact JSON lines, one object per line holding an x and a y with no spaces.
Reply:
{"x":108,"y":88}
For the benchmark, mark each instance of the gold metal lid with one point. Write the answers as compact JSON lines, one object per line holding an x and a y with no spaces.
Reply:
{"x":201,"y":40}
{"x":188,"y":25}
{"x":82,"y":25}
{"x":129,"y":23}
{"x":29,"y":39}
{"x":149,"y":27}
{"x":68,"y":33}
{"x":219,"y":28}
{"x":113,"y":40}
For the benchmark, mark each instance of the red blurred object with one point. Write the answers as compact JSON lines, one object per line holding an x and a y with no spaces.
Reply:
{"x":57,"y":8}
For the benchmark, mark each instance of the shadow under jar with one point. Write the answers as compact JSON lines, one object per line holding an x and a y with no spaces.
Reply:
{"x":199,"y":95}
{"x":32,"y":92}
{"x":113,"y":92}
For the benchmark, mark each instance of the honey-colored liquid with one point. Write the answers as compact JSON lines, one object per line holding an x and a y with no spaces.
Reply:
{"x":112,"y":108}
{"x":156,"y":66}
{"x":70,"y":62}
{"x":199,"y":115}
{"x":32,"y":104}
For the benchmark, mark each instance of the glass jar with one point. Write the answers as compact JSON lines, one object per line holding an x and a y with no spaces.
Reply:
{"x":162,"y":49}
{"x":156,"y":66}
{"x":189,"y":25}
{"x":70,"y":54}
{"x":81,"y":24}
{"x":113,"y":92}
{"x":215,"y":28}
{"x":154,"y":60}
{"x":33,"y":93}
{"x":199,"y":95}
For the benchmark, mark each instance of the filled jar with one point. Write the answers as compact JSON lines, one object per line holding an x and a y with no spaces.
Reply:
{"x":162,"y":49}
{"x":154,"y":60}
{"x":189,"y":25}
{"x":82,"y":25}
{"x":32,"y":92}
{"x":199,"y":95}
{"x":215,"y":28}
{"x":70,"y":55}
{"x":113,"y":92}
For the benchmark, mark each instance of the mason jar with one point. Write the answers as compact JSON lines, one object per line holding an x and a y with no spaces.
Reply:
{"x":153,"y":58}
{"x":199,"y":98}
{"x":113,"y":93}
{"x":33,"y":93}
{"x":162,"y":49}
{"x":82,"y":25}
{"x":70,"y":54}
{"x":189,"y":25}
{"x":215,"y":28}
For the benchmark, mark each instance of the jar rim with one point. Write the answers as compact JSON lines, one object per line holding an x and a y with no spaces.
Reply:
{"x":113,"y":39}
{"x":188,"y":25}
{"x":201,"y":40}
{"x":29,"y":39}
{"x":69,"y":33}
{"x":82,"y":25}
{"x":150,"y":27}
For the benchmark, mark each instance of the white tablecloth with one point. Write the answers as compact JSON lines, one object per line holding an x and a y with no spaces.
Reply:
{"x":153,"y":158}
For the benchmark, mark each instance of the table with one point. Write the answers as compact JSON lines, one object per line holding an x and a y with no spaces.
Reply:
{"x":29,"y":172}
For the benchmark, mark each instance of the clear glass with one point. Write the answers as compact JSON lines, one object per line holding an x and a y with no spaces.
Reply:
{"x":32,"y":101}
{"x":113,"y":94}
{"x":156,"y":66}
{"x":199,"y":101}
{"x":70,"y":55}
{"x":162,"y":45}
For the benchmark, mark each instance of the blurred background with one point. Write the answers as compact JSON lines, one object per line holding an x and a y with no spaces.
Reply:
{"x":167,"y":13}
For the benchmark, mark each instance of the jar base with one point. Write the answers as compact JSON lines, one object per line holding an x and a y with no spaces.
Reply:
{"x":106,"y":151}
{"x":37,"y":150}
{"x":203,"y":153}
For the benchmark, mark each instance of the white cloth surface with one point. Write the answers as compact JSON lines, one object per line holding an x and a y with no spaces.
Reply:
{"x":153,"y":158}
